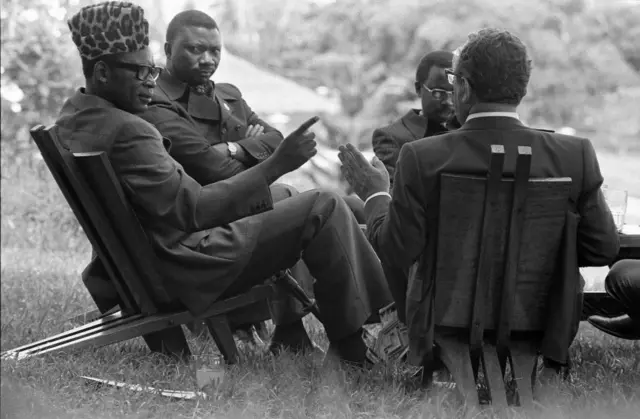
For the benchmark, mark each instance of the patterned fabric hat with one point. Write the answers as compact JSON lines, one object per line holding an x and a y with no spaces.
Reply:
{"x":110,"y":27}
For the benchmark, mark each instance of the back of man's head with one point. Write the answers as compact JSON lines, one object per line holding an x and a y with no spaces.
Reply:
{"x":496,"y":64}
{"x":189,"y":18}
{"x":441,"y":59}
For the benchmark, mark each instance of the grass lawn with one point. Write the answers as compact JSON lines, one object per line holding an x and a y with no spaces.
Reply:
{"x":40,"y":290}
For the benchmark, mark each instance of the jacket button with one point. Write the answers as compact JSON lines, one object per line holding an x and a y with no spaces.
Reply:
{"x":237,"y":127}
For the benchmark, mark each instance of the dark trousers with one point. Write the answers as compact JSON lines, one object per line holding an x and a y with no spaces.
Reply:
{"x":319,"y":228}
{"x":290,"y":308}
{"x":104,"y":294}
{"x":623,"y":284}
{"x":356,"y":205}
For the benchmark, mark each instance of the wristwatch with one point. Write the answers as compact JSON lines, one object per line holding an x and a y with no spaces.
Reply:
{"x":233,"y":149}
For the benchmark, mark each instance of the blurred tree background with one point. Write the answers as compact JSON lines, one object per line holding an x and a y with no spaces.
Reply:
{"x":586,"y":63}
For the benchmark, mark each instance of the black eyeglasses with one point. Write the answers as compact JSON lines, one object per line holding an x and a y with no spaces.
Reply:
{"x":143,"y":72}
{"x":451,"y":76}
{"x":438,"y":94}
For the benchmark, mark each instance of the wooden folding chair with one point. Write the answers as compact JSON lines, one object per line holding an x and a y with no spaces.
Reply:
{"x":498,"y":246}
{"x":97,"y":200}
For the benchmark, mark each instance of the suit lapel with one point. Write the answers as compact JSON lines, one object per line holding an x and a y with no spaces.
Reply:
{"x":415,"y":124}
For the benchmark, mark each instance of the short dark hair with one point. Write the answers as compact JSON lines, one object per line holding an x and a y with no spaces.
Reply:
{"x":497,"y":65}
{"x":441,"y":59}
{"x":189,"y":18}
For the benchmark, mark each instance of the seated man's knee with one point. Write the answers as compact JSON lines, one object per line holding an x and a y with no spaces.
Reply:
{"x":280,"y":191}
{"x":621,"y":274}
{"x":333,"y":200}
{"x":357,"y":207}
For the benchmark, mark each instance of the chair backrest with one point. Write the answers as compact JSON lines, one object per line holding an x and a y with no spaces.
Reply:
{"x":498,"y":246}
{"x":98,"y":202}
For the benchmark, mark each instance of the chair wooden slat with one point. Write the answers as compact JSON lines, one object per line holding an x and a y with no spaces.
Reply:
{"x":100,"y":205}
{"x":136,"y":253}
{"x":60,"y":164}
{"x":514,"y":234}
{"x":485,"y":267}
{"x":499,"y":241}
{"x":462,"y":199}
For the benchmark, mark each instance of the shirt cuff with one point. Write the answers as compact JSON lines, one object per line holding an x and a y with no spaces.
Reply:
{"x":376,"y":194}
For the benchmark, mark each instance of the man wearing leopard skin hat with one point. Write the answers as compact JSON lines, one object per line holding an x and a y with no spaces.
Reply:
{"x":218,"y":240}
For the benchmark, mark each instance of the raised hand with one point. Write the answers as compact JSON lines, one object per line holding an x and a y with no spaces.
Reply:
{"x":365,"y":178}
{"x":297,"y":148}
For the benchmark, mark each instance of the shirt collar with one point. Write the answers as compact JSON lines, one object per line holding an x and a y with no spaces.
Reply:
{"x":175,"y":88}
{"x":494,"y":114}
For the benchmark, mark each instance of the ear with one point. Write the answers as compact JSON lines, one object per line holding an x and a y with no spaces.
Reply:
{"x":418,"y":88}
{"x":467,"y":92}
{"x":167,"y":50}
{"x":101,"y":72}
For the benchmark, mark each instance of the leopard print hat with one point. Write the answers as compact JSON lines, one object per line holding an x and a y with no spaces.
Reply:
{"x":109,"y":27}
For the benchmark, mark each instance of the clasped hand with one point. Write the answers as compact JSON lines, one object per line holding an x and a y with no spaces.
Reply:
{"x":365,"y":178}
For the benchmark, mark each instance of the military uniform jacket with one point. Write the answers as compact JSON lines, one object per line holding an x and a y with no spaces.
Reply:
{"x":202,"y":235}
{"x":195,"y":122}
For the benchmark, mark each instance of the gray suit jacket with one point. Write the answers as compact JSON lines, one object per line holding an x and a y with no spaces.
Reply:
{"x":403,"y":228}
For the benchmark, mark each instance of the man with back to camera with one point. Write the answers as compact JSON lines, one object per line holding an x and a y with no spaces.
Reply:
{"x":402,"y":227}
{"x":220,"y":239}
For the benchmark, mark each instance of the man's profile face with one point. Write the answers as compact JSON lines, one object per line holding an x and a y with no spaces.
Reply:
{"x":436,"y":109}
{"x":195,"y":54}
{"x":131,"y":80}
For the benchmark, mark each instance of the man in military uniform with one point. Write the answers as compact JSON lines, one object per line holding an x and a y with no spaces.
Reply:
{"x":215,"y":135}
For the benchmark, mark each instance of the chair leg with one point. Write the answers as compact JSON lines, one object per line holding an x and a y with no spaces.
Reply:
{"x":196,"y":327}
{"x":170,"y":342}
{"x":454,"y":353}
{"x":524,"y":359}
{"x":495,"y":377}
{"x":222,"y":335}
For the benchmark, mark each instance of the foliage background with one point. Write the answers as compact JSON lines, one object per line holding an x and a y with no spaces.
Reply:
{"x":586,"y":72}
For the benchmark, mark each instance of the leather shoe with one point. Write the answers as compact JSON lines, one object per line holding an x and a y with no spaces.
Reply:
{"x":623,"y":327}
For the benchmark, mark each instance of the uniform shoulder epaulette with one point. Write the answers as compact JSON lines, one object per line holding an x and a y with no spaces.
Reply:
{"x":229,"y":89}
{"x":543,"y":130}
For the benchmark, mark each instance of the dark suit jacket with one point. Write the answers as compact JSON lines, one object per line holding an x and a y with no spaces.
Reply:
{"x":387,"y":141}
{"x":402,"y":229}
{"x":176,"y":212}
{"x":194,"y":123}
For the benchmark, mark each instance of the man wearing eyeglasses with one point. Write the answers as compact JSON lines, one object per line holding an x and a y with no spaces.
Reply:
{"x":437,"y":108}
{"x":220,"y":239}
{"x":214,"y":133}
{"x":204,"y":119}
{"x":490,"y":74}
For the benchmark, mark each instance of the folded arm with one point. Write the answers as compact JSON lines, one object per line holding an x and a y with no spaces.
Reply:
{"x":263,"y":145}
{"x":190,"y":148}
